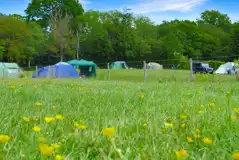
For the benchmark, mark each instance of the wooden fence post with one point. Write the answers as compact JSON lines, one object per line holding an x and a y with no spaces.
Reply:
{"x":145,"y":70}
{"x":108,"y":67}
{"x":191,"y":69}
{"x":36,"y":71}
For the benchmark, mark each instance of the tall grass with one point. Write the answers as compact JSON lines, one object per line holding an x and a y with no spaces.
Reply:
{"x":138,"y":112}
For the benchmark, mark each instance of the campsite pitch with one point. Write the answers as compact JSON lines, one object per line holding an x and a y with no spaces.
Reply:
{"x":72,"y":119}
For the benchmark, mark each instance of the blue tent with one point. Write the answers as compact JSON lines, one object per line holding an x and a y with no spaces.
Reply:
{"x":59,"y":70}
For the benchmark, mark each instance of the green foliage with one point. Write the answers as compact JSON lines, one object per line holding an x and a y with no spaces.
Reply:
{"x":215,"y":64}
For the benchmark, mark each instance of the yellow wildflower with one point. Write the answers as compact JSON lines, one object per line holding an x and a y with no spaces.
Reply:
{"x":59,"y":157}
{"x":55,"y":146}
{"x":4,"y":138}
{"x":76,"y":125}
{"x":38,"y":104}
{"x":235,"y":155}
{"x":49,"y":119}
{"x":200,"y":112}
{"x":183,"y":116}
{"x":182,"y":125}
{"x":26,"y":119}
{"x":36,"y":129}
{"x":212,"y":105}
{"x":59,"y":117}
{"x":181,"y":154}
{"x":46,"y":150}
{"x":236,"y":110}
{"x":12,"y":87}
{"x":82,"y":126}
{"x":189,"y":139}
{"x":202,"y":106}
{"x":207,"y":140}
{"x":42,"y":139}
{"x":168,"y":125}
{"x":35,"y":86}
{"x":142,"y":96}
{"x":234,"y":118}
{"x":53,"y":107}
{"x":109,"y":132}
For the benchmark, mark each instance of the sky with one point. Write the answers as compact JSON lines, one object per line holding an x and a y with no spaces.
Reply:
{"x":157,"y":10}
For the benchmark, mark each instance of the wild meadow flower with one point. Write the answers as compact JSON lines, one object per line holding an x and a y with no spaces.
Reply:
{"x":36,"y":129}
{"x":168,"y":125}
{"x":59,"y":117}
{"x":183,"y":116}
{"x":4,"y":138}
{"x":236,"y":110}
{"x":212,"y":105}
{"x":38,"y":104}
{"x":142,"y":96}
{"x":59,"y":157}
{"x":12,"y":87}
{"x":234,"y":118}
{"x":235,"y":155}
{"x":109,"y":132}
{"x":35,"y":86}
{"x":49,"y":119}
{"x":207,"y":140}
{"x":55,"y":146}
{"x":26,"y":119}
{"x":42,"y":139}
{"x":53,"y":107}
{"x":81,"y":126}
{"x":181,"y":154}
{"x":201,"y":106}
{"x":46,"y":150}
{"x":189,"y":139}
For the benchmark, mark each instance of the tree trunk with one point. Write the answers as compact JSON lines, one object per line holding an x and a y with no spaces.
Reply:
{"x":29,"y":63}
{"x":78,"y":45}
{"x":61,"y":52}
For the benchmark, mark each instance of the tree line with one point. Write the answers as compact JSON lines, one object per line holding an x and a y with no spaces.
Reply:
{"x":61,"y":30}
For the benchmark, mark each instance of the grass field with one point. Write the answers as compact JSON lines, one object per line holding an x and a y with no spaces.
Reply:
{"x":168,"y":119}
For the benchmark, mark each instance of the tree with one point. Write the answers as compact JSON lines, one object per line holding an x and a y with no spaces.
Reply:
{"x":61,"y":32}
{"x":41,"y":10}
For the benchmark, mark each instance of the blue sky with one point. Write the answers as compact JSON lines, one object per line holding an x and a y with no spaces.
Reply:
{"x":157,"y":10}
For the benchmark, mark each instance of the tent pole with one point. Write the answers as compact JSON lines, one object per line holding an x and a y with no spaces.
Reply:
{"x":108,"y":66}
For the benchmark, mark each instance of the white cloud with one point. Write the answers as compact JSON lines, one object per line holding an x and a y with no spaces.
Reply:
{"x":150,"y":6}
{"x":84,"y":2}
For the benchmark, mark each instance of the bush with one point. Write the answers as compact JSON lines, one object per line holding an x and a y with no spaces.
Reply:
{"x":215,"y":64}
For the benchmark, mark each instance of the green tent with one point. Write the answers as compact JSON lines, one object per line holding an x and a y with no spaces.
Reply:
{"x":118,"y":65}
{"x":9,"y":70}
{"x":87,"y":68}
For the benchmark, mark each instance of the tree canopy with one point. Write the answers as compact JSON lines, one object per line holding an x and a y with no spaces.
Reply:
{"x":42,"y":36}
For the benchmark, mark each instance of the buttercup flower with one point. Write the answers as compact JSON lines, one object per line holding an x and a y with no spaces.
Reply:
{"x":207,"y":140}
{"x":181,"y":154}
{"x":189,"y":139}
{"x":4,"y":138}
{"x":38,"y":104}
{"x":59,"y":117}
{"x":26,"y":119}
{"x":46,"y":150}
{"x":235,"y":155}
{"x":109,"y":132}
{"x":36,"y":129}
{"x":49,"y":119}
{"x":59,"y":157}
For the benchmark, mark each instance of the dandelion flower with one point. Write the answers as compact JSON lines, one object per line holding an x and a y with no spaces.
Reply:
{"x":234,"y":118}
{"x":182,"y":125}
{"x":55,"y":146}
{"x":82,"y":126}
{"x":168,"y":125}
{"x":212,"y":105}
{"x":36,"y":129}
{"x":46,"y":150}
{"x":235,"y":156}
{"x":109,"y":132}
{"x":59,"y":157}
{"x":12,"y":87}
{"x":181,"y":154}
{"x":142,"y":96}
{"x":189,"y":139}
{"x":183,"y":116}
{"x":207,"y":140}
{"x":200,"y":112}
{"x":236,"y":110}
{"x":42,"y":139}
{"x":49,"y":119}
{"x":38,"y":104}
{"x":4,"y":138}
{"x":26,"y":119}
{"x":59,"y":117}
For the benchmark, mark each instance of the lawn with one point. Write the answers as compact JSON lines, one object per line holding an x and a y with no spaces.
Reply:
{"x":124,"y":119}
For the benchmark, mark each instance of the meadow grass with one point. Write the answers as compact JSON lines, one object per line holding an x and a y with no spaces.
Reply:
{"x":152,"y":120}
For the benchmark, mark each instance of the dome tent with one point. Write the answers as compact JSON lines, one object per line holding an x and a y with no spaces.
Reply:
{"x":59,"y":70}
{"x":118,"y":65}
{"x":227,"y":68}
{"x":154,"y":66}
{"x":87,"y":68}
